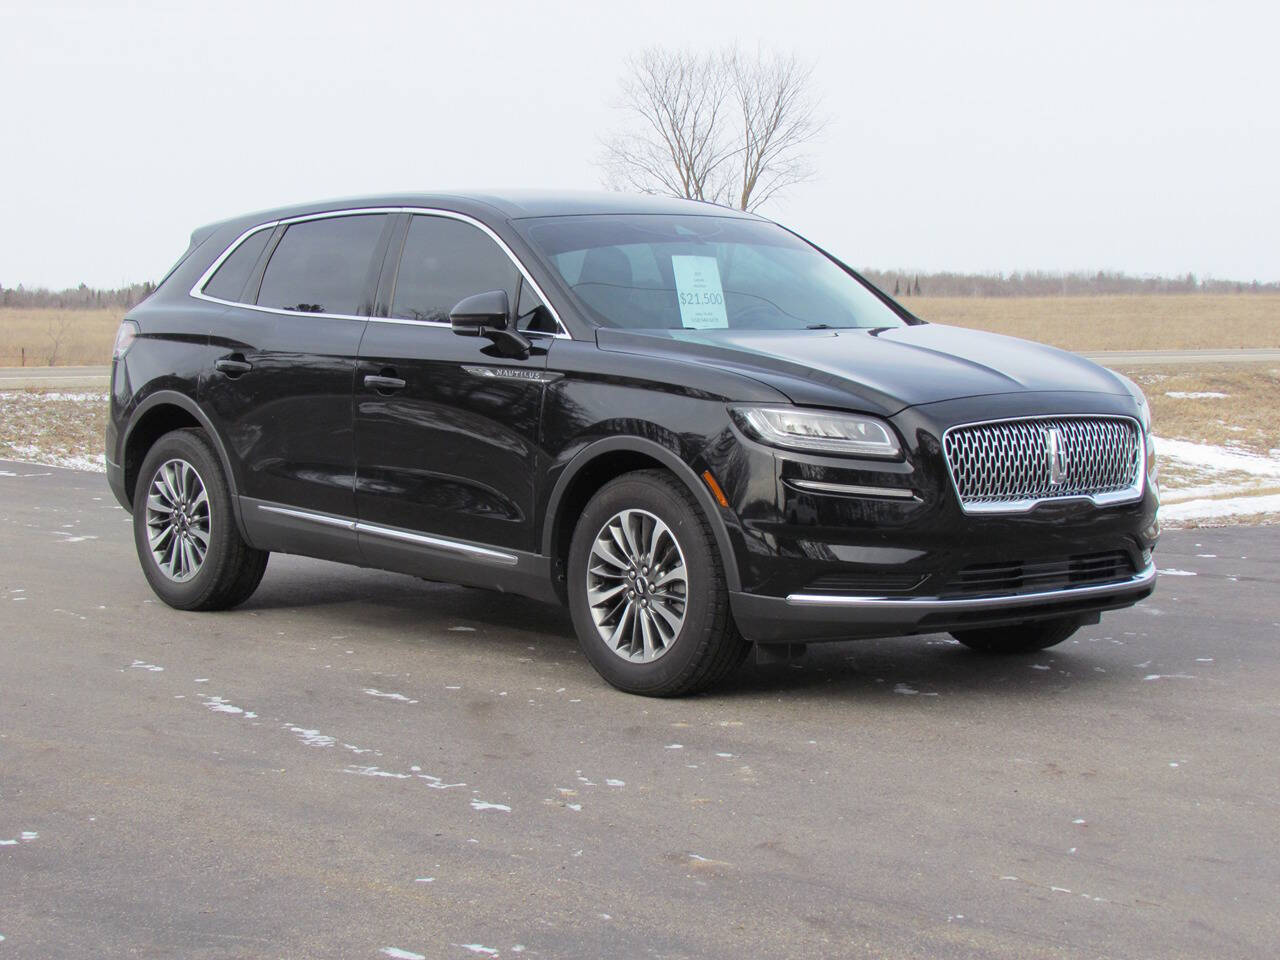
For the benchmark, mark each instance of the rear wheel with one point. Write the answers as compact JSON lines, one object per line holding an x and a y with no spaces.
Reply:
{"x":1018,"y":638}
{"x":184,"y":529}
{"x":647,"y":589}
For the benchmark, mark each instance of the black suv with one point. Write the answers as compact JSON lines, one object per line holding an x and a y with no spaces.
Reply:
{"x":691,"y":425}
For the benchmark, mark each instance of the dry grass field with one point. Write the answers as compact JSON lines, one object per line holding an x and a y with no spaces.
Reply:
{"x":62,"y":337}
{"x":1185,"y":321}
{"x":1171,"y":322}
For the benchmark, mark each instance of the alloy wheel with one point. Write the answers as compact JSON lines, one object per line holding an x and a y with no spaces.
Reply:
{"x":637,"y":586}
{"x":178,"y":520}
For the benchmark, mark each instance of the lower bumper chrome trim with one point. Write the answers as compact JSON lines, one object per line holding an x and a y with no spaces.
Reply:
{"x":1139,"y":580}
{"x":853,"y":490}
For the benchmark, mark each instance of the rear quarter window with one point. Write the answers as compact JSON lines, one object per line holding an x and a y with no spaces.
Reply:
{"x":229,"y":280}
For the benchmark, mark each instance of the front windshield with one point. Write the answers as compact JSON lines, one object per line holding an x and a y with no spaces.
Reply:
{"x":644,"y":271}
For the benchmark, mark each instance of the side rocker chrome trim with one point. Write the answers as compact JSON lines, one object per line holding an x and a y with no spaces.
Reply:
{"x":439,"y":543}
{"x":390,"y":533}
{"x":943,"y":604}
{"x":320,"y":518}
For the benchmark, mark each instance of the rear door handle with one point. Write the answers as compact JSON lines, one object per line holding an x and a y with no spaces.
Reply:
{"x":383,"y":383}
{"x":232,"y":366}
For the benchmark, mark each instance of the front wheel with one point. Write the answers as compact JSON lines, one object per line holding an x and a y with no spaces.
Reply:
{"x":647,"y":589}
{"x":190,"y":548}
{"x":1019,"y":638}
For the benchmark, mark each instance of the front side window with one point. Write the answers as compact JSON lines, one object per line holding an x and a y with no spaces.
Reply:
{"x":228,"y":283}
{"x":322,"y":266}
{"x":445,"y":261}
{"x":644,"y":271}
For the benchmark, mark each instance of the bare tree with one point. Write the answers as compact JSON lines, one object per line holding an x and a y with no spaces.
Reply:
{"x":725,"y":127}
{"x":58,"y":329}
{"x":677,"y":144}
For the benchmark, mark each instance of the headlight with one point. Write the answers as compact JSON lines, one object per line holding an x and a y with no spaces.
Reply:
{"x":819,"y":431}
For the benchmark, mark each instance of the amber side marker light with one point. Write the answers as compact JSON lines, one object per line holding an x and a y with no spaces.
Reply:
{"x":714,"y":487}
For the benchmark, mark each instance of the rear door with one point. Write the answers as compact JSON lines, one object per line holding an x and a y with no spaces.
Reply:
{"x":445,"y":463}
{"x":281,"y":390}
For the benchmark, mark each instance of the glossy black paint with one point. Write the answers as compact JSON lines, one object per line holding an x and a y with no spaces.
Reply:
{"x":447,"y":457}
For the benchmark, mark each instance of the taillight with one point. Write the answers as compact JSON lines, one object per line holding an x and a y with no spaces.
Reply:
{"x":125,"y":336}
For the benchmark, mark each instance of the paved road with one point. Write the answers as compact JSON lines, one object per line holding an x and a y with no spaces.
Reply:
{"x":327,"y":772}
{"x":61,"y":378}
{"x":1129,"y":358}
{"x":90,"y":378}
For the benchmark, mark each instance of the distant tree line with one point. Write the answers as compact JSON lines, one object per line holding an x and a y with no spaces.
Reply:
{"x":82,"y":297}
{"x":1043,"y":284}
{"x":898,"y":282}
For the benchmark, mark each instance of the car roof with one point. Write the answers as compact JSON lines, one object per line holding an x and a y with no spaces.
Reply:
{"x":508,"y":204}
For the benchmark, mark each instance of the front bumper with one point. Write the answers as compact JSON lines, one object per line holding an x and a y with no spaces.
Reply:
{"x":800,"y":617}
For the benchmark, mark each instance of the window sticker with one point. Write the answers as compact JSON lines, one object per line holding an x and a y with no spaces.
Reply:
{"x":699,"y":293}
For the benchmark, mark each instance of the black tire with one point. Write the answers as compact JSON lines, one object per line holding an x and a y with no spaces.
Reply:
{"x":707,"y":647}
{"x":1018,"y":638}
{"x":231,"y":569}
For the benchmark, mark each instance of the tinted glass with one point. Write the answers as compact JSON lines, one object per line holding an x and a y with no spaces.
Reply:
{"x":321,"y":266}
{"x":444,"y":261}
{"x":228,"y":283}
{"x":704,"y":273}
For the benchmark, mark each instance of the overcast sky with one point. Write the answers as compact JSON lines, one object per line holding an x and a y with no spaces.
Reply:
{"x":1142,"y":137}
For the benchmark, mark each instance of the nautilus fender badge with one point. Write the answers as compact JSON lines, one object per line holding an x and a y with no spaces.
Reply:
{"x":513,"y":373}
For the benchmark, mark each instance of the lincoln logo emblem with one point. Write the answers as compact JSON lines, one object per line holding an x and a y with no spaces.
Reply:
{"x":1057,"y":456}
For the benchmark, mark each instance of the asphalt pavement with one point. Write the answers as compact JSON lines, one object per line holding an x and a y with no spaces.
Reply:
{"x":359,"y":764}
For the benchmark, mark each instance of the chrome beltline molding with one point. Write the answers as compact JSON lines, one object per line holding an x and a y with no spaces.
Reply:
{"x":391,"y":533}
{"x":197,"y":291}
{"x":1141,"y":579}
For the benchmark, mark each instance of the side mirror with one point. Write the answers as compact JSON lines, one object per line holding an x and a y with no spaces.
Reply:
{"x":489,"y":315}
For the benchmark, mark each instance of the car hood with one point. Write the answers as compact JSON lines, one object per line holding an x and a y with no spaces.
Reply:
{"x":879,"y":371}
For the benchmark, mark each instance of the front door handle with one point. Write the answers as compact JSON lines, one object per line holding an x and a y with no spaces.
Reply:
{"x":383,"y":383}
{"x":233,"y":366}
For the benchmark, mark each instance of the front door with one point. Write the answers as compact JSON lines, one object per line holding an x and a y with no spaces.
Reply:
{"x":445,"y":463}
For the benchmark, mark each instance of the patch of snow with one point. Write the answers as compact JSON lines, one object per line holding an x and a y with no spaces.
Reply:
{"x":1196,"y":395}
{"x":1174,"y":572}
{"x":222,"y":705}
{"x":1168,"y":676}
{"x":485,"y":805}
{"x":399,"y":697}
{"x":479,"y":948}
{"x":1211,"y":457}
{"x":1220,"y":509}
{"x":375,"y":772}
{"x":312,"y":738}
{"x":401,"y":954}
{"x":151,"y":667}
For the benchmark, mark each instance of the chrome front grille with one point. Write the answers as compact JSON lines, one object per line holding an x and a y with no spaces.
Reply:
{"x":1009,"y":466}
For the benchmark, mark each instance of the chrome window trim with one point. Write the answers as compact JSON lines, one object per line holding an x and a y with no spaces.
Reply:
{"x":1141,"y":579}
{"x":391,"y":533}
{"x":852,"y":490}
{"x":1131,"y":494}
{"x":197,"y":291}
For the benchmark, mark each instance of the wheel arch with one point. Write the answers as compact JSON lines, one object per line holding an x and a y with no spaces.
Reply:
{"x":161,"y":413}
{"x":602,"y":461}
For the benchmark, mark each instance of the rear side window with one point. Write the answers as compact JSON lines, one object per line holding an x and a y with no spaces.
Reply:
{"x":228,"y":283}
{"x":322,"y":266}
{"x":445,"y":261}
